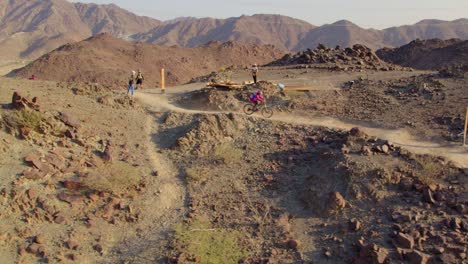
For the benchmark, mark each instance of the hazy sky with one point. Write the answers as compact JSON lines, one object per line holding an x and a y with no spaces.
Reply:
{"x":366,"y":13}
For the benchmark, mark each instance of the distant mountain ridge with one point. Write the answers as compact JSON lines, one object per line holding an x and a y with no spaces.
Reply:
{"x":31,"y":28}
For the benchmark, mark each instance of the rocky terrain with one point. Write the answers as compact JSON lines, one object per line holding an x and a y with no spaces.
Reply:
{"x":108,"y":61}
{"x":71,"y":180}
{"x":432,"y":54}
{"x":355,"y":58}
{"x":437,"y":103}
{"x":310,"y":195}
{"x":192,"y":180}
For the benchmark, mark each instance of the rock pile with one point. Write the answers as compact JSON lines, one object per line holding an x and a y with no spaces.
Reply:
{"x":358,"y":57}
{"x":20,"y":102}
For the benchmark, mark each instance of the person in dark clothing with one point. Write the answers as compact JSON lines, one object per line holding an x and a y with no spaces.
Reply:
{"x":139,"y":80}
{"x":254,"y":72}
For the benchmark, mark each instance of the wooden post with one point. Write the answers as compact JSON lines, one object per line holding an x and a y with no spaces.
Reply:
{"x":466,"y":127}
{"x":163,"y":80}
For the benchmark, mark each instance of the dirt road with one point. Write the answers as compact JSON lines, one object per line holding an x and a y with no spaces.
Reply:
{"x":400,"y":137}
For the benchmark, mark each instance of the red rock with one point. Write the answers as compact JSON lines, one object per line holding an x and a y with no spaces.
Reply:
{"x":69,"y":120}
{"x":35,"y":248}
{"x":57,"y":161}
{"x":31,"y":156}
{"x":93,"y":197}
{"x":404,"y":240}
{"x":70,"y":198}
{"x":90,"y":222}
{"x":418,"y":257}
{"x":72,"y":185}
{"x":33,"y":174}
{"x":427,"y":196}
{"x":25,"y":132}
{"x":98,"y":248}
{"x":39,"y":239}
{"x":33,"y":193}
{"x":366,"y":151}
{"x":455,"y":223}
{"x":59,"y":218}
{"x":385,"y":149}
{"x":293,"y":244}
{"x":357,"y":132}
{"x":21,"y":251}
{"x":20,"y":102}
{"x":336,"y":201}
{"x":379,"y":256}
{"x":371,"y":254}
{"x":70,"y":134}
{"x":108,"y":152}
{"x":71,"y":244}
{"x":354,"y":225}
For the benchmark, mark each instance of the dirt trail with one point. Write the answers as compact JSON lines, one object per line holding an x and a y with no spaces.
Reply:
{"x":164,"y":206}
{"x":399,"y":137}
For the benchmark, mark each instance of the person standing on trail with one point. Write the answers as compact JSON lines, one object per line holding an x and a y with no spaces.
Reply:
{"x":255,"y":72}
{"x":131,"y":84}
{"x":139,"y":80}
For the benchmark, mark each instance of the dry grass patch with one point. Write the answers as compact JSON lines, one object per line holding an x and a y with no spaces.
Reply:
{"x":24,"y":119}
{"x":210,"y":245}
{"x":197,"y":174}
{"x":117,"y":178}
{"x":430,"y":169}
{"x":228,"y":153}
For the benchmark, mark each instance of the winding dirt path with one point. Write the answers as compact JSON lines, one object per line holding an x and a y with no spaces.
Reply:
{"x":400,"y":137}
{"x":162,"y":205}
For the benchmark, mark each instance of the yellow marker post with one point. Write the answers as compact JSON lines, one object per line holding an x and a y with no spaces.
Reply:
{"x":466,"y":127}
{"x":163,"y":81}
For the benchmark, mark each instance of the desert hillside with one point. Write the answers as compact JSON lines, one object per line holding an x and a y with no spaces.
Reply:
{"x":31,"y":28}
{"x":282,"y":31}
{"x":297,"y":35}
{"x":107,"y":60}
{"x":433,"y":54}
{"x":113,"y":19}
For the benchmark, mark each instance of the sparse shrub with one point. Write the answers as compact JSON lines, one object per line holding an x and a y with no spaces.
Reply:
{"x":197,"y":174}
{"x":228,"y":153}
{"x":211,"y":245}
{"x":24,"y":118}
{"x":118,"y":177}
{"x":430,"y":169}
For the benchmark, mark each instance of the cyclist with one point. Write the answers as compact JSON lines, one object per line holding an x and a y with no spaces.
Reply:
{"x":256,"y":99}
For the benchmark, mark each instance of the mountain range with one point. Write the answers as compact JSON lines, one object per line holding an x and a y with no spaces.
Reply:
{"x":30,"y":28}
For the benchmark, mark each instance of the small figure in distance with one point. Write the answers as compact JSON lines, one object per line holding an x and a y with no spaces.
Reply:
{"x":255,"y":72}
{"x":131,"y":84}
{"x":33,"y":78}
{"x":281,"y":87}
{"x":139,"y":80}
{"x":256,"y":99}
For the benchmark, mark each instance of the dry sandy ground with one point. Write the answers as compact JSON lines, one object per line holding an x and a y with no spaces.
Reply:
{"x":158,"y":203}
{"x":144,"y":134}
{"x":8,"y":66}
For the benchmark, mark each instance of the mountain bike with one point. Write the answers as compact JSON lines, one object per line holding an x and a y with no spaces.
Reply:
{"x":267,"y":112}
